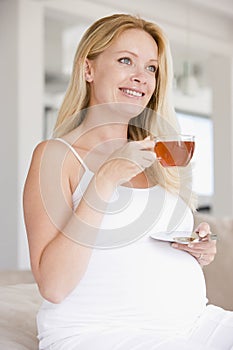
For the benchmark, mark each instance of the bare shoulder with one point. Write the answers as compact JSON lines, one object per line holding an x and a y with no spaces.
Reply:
{"x":47,"y":146}
{"x":54,"y":157}
{"x":51,"y":151}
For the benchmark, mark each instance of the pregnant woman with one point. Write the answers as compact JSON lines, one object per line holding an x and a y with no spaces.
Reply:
{"x":95,"y":194}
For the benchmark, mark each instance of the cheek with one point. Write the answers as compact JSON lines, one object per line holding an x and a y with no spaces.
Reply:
{"x":101,"y":88}
{"x":151,"y":86}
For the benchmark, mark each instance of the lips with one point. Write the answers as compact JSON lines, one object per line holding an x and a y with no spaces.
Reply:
{"x":132,"y":92}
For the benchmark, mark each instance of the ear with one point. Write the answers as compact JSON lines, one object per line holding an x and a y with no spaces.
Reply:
{"x":88,"y":71}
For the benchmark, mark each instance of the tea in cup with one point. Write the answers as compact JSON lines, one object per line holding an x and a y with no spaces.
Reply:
{"x":174,"y":150}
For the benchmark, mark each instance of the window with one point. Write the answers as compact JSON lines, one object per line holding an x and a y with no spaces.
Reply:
{"x":203,"y":162}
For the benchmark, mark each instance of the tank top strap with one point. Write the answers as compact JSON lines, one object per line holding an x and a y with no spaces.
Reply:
{"x":73,"y":151}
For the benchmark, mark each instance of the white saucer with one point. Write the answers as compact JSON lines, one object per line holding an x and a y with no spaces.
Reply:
{"x":171,"y":236}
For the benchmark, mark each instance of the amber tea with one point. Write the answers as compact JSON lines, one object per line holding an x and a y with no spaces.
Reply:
{"x":174,"y":150}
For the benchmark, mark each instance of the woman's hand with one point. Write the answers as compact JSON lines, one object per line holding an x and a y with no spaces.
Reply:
{"x":205,"y":249}
{"x":127,"y":162}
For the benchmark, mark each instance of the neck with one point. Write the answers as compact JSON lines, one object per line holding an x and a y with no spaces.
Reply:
{"x":106,"y":137}
{"x":104,"y":127}
{"x":107,"y":121}
{"x":110,"y":118}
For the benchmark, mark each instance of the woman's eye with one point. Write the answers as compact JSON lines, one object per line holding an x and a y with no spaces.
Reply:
{"x":125,"y":60}
{"x":152,"y":69}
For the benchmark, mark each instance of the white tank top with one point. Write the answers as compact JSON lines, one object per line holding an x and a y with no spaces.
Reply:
{"x":132,"y":280}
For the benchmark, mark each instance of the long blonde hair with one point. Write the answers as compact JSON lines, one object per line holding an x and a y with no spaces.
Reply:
{"x":159,"y":116}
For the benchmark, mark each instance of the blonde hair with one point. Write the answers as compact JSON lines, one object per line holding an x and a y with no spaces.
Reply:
{"x":159,"y":116}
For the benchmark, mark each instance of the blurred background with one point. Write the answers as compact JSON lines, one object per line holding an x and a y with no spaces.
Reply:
{"x":38,"y":39}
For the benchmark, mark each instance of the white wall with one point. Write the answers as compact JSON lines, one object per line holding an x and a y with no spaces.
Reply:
{"x":22,"y":89}
{"x":222,"y":82}
{"x":21,"y":40}
{"x":31,"y":96}
{"x":9,"y":134}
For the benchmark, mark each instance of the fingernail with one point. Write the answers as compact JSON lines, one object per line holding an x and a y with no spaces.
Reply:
{"x":190,"y":245}
{"x":174,"y":245}
{"x":202,"y":233}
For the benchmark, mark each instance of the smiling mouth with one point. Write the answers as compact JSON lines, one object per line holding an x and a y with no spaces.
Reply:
{"x":133,"y":92}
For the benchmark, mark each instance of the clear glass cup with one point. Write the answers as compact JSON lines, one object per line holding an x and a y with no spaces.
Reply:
{"x":174,"y":150}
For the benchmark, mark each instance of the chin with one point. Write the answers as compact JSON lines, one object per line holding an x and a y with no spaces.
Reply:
{"x":127,"y":110}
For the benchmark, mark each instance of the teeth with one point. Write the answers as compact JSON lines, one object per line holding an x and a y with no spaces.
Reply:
{"x":133,"y":93}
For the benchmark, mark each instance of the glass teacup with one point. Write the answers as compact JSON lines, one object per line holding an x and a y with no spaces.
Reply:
{"x":174,"y":150}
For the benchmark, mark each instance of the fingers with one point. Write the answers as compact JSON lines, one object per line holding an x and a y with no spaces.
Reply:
{"x":204,"y":259}
{"x":197,"y":248}
{"x":203,"y":229}
{"x":204,"y":251}
{"x":146,"y":143}
{"x":148,"y":158}
{"x":131,"y":159}
{"x":139,"y":153}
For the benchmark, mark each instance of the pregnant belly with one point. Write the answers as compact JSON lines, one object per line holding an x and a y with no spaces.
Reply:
{"x":151,"y":285}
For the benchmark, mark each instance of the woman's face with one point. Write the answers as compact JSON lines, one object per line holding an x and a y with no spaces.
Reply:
{"x":125,"y":71}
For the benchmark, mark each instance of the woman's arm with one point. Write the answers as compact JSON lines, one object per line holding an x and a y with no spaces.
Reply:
{"x":58,"y":261}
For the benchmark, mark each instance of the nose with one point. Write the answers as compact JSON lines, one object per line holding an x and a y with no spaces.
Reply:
{"x":138,"y":76}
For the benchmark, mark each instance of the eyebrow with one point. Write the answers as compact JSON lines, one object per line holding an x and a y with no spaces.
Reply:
{"x":134,"y":54}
